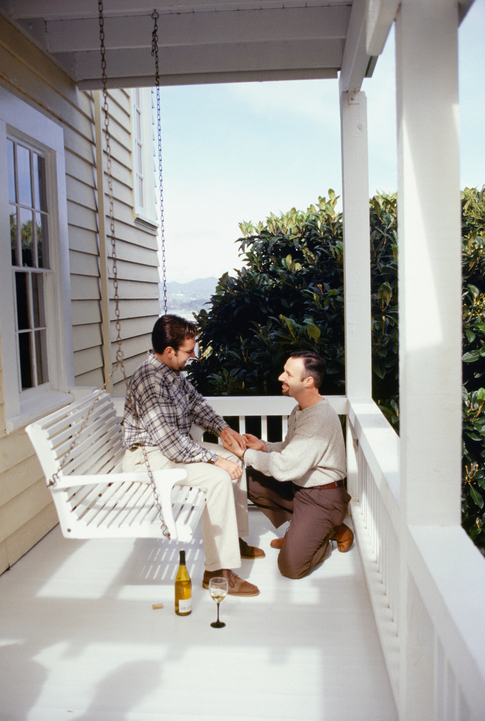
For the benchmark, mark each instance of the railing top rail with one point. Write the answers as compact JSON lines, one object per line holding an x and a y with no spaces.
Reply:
{"x":266,"y":405}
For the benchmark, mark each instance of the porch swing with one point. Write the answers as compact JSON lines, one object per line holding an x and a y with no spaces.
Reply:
{"x":80,"y":446}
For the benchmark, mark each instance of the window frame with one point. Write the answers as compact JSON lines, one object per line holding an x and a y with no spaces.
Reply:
{"x":27,"y":125}
{"x":146,"y":212}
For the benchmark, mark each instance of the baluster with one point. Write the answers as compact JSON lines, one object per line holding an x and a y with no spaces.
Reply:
{"x":264,"y":428}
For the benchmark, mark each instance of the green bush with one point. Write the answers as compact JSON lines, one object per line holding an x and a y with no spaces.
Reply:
{"x":289,"y":296}
{"x":473,"y":260}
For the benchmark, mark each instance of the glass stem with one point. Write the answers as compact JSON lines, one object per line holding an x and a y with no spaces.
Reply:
{"x":218,"y":604}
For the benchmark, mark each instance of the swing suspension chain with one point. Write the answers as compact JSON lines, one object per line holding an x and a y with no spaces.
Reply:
{"x":155,"y":17}
{"x":119,"y":355}
{"x":66,"y":457}
{"x":109,"y":172}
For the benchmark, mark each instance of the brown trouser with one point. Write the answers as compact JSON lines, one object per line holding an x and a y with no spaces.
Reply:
{"x":313,"y":514}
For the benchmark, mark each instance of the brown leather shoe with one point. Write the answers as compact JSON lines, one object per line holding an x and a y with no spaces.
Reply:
{"x":344,"y":537}
{"x":250,"y":552}
{"x":277,"y":542}
{"x":236,"y":585}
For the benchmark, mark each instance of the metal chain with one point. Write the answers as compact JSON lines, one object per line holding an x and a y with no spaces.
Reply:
{"x":155,"y":17}
{"x":119,"y":355}
{"x":65,"y":459}
{"x":109,"y":172}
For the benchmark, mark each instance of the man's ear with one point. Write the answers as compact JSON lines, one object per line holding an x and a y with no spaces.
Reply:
{"x":308,"y":382}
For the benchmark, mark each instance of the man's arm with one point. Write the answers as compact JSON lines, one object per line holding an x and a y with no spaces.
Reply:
{"x":255,"y":443}
{"x":229,"y":435}
{"x":152,"y":417}
{"x":316,"y":442}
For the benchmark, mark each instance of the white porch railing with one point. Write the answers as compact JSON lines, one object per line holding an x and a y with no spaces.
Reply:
{"x":426,"y":584}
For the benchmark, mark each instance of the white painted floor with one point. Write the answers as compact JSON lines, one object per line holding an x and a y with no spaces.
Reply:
{"x":80,"y":640}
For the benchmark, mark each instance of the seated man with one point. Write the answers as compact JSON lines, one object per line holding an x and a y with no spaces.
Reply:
{"x":301,"y":479}
{"x":160,"y":407}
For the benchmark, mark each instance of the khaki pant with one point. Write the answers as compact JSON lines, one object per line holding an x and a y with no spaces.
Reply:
{"x":225,"y":517}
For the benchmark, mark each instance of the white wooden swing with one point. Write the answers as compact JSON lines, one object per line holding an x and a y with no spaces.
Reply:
{"x":80,"y":446}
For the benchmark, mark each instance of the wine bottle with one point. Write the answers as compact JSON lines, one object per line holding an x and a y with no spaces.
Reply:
{"x":183,"y":589}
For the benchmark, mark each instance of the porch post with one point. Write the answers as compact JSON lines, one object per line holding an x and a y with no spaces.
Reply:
{"x":356,"y":228}
{"x":429,"y":233}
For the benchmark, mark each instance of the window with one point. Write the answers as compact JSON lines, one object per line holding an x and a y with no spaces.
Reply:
{"x":35,"y":323}
{"x":29,"y":243}
{"x":144,"y":162}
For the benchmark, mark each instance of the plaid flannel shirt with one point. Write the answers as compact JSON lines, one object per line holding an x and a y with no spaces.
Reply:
{"x":161,"y":406}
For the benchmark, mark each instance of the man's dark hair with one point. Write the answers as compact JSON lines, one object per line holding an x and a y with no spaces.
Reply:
{"x":171,"y":330}
{"x":315,"y":365}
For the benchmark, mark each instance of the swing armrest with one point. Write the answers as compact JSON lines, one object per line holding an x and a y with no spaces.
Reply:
{"x":167,"y":478}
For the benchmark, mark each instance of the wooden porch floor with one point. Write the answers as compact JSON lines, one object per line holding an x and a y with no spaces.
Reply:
{"x":80,"y":640}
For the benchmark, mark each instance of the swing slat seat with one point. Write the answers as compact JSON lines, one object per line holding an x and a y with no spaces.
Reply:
{"x":81,"y":446}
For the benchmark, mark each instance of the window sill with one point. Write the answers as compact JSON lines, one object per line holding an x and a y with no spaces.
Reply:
{"x":36,"y":407}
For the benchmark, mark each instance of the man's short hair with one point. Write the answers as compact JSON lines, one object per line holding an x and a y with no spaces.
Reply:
{"x":315,"y":365}
{"x":171,"y":331}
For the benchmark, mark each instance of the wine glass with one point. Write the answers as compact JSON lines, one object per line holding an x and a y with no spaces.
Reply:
{"x":218,"y":590}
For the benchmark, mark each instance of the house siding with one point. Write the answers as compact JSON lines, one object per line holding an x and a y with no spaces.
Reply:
{"x":26,"y":510}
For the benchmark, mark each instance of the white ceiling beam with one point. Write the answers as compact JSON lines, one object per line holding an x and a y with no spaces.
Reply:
{"x":380,"y":15}
{"x":57,"y":9}
{"x":145,"y":81}
{"x":356,"y":60}
{"x":193,"y":29}
{"x":234,"y":57}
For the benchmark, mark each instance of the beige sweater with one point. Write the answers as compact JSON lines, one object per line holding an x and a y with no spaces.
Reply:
{"x":313,"y":452}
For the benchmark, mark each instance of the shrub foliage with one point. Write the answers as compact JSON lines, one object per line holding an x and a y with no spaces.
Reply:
{"x":289,"y":296}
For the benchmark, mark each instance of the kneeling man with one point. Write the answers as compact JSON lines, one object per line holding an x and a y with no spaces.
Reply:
{"x":301,"y":479}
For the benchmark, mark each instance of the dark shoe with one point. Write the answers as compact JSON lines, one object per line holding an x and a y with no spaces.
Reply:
{"x":250,"y":552}
{"x":277,"y":542}
{"x":344,"y":537}
{"x":236,"y":586}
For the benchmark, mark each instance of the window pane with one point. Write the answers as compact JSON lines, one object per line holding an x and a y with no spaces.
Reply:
{"x":13,"y":234}
{"x":25,"y":357}
{"x":12,"y":195}
{"x":42,"y":241}
{"x":38,"y":310}
{"x":40,"y":201}
{"x":138,"y":125}
{"x":26,"y":237}
{"x":41,"y":356}
{"x":21,"y":288}
{"x":140,"y":192}
{"x":138,"y":158}
{"x":23,"y":168}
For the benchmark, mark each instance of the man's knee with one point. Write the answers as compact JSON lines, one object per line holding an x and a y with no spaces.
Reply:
{"x":296,"y":561}
{"x":292,"y":568}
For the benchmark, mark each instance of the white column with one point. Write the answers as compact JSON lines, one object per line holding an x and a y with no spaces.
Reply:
{"x":355,"y":196}
{"x":356,"y":230}
{"x":429,"y":309}
{"x":429,"y":233}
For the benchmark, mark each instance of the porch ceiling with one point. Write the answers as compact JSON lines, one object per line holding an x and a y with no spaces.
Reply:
{"x":200,"y":41}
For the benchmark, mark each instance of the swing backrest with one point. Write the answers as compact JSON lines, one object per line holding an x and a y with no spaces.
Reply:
{"x":80,"y":450}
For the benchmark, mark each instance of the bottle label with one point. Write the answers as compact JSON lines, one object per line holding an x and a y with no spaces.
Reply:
{"x":185,"y":606}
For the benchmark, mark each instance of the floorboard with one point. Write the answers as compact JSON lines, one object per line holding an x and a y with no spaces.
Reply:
{"x":81,"y":642}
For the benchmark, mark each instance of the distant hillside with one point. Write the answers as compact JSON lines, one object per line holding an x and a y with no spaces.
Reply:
{"x":185,"y":299}
{"x":200,"y":286}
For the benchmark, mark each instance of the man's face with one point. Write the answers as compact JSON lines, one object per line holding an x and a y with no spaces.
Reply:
{"x":182,"y":355}
{"x":292,"y":377}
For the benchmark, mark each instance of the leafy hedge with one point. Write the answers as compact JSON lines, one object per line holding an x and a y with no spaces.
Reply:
{"x":289,"y":296}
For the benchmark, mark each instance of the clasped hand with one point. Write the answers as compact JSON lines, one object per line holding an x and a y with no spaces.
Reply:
{"x":237,"y":444}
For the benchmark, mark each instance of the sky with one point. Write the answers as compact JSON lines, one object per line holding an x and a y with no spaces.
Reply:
{"x":237,"y":152}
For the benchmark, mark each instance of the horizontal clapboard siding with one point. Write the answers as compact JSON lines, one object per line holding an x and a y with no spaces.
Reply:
{"x":26,"y":511}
